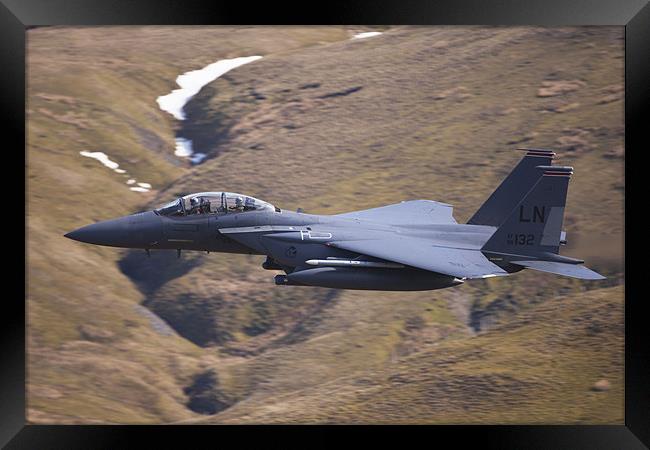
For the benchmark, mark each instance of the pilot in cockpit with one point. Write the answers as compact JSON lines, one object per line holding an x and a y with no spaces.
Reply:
{"x":212,"y":203}
{"x":204,"y":206}
{"x":199,"y":205}
{"x":239,"y":204}
{"x":194,"y":205}
{"x":235,"y":204}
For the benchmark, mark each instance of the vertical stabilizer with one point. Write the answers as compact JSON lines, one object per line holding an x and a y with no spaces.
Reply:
{"x":512,"y":189}
{"x":534,"y":226}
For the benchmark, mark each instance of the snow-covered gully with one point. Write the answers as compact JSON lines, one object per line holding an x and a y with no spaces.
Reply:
{"x":190,"y":84}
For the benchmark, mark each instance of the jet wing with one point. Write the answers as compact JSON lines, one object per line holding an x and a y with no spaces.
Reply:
{"x":455,"y":262}
{"x":413,"y":212}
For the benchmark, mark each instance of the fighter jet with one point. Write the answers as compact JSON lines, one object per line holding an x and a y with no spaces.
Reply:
{"x":408,"y":246}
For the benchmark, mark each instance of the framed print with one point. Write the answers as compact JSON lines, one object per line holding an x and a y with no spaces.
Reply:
{"x":412,"y":214}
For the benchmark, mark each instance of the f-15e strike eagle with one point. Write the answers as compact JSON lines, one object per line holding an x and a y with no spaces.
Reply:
{"x":409,"y":246}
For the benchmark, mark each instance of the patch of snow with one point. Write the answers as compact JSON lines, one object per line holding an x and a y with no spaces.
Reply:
{"x":196,"y":158}
{"x":366,"y":34}
{"x":191,"y":83}
{"x":102,"y":158}
{"x":183,"y":148}
{"x":105,"y":160}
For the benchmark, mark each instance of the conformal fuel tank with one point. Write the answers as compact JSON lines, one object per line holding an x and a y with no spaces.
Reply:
{"x":405,"y":279}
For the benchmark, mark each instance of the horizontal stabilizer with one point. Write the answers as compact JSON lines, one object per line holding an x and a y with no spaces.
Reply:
{"x":568,"y":270}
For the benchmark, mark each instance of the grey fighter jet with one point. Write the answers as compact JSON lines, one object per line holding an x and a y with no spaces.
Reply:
{"x":409,"y":246}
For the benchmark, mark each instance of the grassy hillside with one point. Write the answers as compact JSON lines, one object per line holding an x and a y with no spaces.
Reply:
{"x":542,"y":367}
{"x":331,"y":125}
{"x":94,"y":353}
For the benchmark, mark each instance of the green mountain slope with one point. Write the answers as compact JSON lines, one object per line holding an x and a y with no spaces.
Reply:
{"x":542,"y":367}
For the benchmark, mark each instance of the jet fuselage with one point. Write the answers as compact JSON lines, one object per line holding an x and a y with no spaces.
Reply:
{"x":412,"y":245}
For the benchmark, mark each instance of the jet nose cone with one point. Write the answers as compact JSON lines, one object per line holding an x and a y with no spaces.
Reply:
{"x":110,"y":232}
{"x":143,"y":230}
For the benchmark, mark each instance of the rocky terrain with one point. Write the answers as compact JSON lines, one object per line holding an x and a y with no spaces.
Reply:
{"x":330,"y":124}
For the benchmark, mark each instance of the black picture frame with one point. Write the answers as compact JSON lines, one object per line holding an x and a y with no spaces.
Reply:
{"x":16,"y":16}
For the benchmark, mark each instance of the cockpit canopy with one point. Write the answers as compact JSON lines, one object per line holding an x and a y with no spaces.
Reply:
{"x":213,"y":203}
